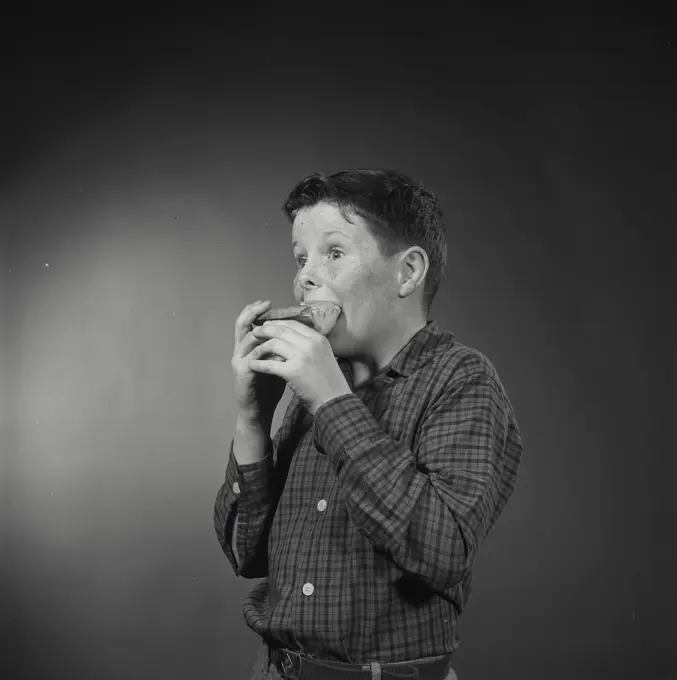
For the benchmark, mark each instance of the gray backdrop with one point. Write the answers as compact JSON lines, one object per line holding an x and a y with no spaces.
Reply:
{"x":140,"y":201}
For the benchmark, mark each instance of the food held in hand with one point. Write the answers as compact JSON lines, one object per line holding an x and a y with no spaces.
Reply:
{"x":322,"y":316}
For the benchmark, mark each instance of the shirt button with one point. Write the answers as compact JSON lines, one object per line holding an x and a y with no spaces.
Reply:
{"x":308,"y":589}
{"x":236,"y":487}
{"x":322,"y":505}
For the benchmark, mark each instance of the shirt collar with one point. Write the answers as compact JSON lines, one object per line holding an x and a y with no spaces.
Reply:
{"x":422,"y":347}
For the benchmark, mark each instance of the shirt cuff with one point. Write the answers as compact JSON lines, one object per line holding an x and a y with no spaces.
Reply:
{"x":249,"y":484}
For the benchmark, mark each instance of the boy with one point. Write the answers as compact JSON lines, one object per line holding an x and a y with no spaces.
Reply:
{"x":395,"y":457}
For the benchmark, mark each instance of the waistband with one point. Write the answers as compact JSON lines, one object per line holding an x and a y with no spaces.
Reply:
{"x":296,"y":666}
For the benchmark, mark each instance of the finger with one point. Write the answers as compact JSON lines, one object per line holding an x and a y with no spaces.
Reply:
{"x":260,"y":361}
{"x":248,"y":343}
{"x":274,"y":367}
{"x":272,"y":346}
{"x":295,"y":326}
{"x":245,"y":320}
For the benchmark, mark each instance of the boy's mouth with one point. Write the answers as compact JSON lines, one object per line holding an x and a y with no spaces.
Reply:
{"x":320,"y":315}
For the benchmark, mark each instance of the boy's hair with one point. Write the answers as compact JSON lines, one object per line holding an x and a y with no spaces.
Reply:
{"x":398,"y":211}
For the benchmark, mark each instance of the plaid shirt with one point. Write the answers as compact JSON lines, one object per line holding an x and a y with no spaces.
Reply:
{"x":367,"y":518}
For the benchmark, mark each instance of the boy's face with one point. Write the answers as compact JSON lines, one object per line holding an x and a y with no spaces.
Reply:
{"x":340,"y":262}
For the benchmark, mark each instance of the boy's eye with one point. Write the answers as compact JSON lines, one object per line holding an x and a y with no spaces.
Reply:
{"x":301,"y":260}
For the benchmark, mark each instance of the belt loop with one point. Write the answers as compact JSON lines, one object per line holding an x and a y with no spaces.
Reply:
{"x":375,"y":670}
{"x":287,"y":664}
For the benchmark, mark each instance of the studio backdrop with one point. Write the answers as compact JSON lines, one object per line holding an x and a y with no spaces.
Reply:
{"x":144,"y":212}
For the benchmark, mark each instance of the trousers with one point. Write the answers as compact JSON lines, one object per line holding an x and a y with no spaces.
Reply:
{"x":263,"y":670}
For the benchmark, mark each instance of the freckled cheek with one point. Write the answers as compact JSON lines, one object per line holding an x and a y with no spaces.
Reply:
{"x":369,"y":276}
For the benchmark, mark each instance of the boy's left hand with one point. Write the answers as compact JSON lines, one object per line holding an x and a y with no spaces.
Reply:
{"x":309,"y":367}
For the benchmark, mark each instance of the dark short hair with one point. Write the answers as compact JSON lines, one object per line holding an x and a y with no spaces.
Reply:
{"x":399,"y":213}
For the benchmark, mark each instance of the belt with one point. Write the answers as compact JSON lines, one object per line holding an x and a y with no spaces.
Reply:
{"x":294,"y":666}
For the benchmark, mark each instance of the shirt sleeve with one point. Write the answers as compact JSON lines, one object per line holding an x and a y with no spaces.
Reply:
{"x":430,"y":509}
{"x":245,"y":492}
{"x":252,"y":492}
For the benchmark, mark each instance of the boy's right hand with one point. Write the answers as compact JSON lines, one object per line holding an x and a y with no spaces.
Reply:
{"x":257,"y":394}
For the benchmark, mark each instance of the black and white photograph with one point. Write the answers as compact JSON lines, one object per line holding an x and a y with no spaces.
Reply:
{"x":338,"y":342}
